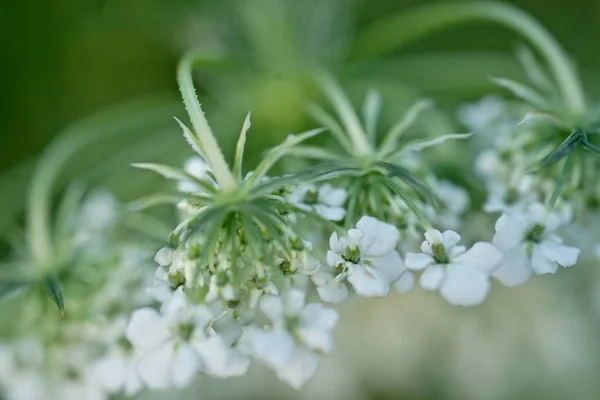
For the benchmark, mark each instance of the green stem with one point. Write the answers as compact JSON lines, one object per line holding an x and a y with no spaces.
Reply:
{"x":410,"y":26}
{"x":213,"y":154}
{"x":137,"y":117}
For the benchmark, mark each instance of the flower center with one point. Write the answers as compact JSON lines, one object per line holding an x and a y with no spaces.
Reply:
{"x":286,"y":268}
{"x":439,"y":253}
{"x":186,"y":329}
{"x":176,"y":279}
{"x":311,"y":197}
{"x":352,"y":255}
{"x":535,"y":234}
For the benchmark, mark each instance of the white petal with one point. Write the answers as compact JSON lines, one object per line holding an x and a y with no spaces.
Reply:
{"x":155,"y":368}
{"x":561,"y":254}
{"x":333,"y":292}
{"x":405,"y":283}
{"x":390,"y":265}
{"x":110,"y":372}
{"x":220,"y":360}
{"x":330,"y":213}
{"x":378,"y":238}
{"x":434,"y":236}
{"x":514,"y":269}
{"x":294,"y":301}
{"x":432,"y":277}
{"x":540,"y":264}
{"x":275,"y":348}
{"x":331,"y":196}
{"x":185,"y":365}
{"x":315,"y":315}
{"x":272,"y":307}
{"x":465,"y":285}
{"x":164,"y":256}
{"x":509,"y":232}
{"x":173,"y":309}
{"x":315,"y":339}
{"x":418,"y":261}
{"x":196,"y":166}
{"x":334,"y":259}
{"x":303,"y":366}
{"x":537,"y":212}
{"x":133,"y":384}
{"x":450,"y":239}
{"x":483,"y":256}
{"x":146,"y":329}
{"x":335,"y":244}
{"x":368,"y":282}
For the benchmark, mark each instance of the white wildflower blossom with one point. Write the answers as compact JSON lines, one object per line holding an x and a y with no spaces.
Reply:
{"x":298,"y":333}
{"x":177,"y":343}
{"x":366,"y":258}
{"x":326,"y":200}
{"x":116,"y":371}
{"x":461,"y":276}
{"x":529,"y":244}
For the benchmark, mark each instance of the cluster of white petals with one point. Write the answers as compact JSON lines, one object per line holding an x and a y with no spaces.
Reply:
{"x":462,"y":276}
{"x":530,"y":245}
{"x":366,"y":258}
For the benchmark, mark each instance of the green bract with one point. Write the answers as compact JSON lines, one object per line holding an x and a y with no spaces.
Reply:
{"x":384,"y":187}
{"x":236,"y":229}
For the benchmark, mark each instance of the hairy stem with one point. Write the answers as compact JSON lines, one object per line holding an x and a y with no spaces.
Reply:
{"x":213,"y":154}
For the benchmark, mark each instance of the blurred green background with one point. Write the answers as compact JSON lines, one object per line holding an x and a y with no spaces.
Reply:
{"x":62,"y":60}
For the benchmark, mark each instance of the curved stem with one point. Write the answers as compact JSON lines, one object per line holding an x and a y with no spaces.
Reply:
{"x":212,"y":152}
{"x":136,"y":117}
{"x":410,"y":26}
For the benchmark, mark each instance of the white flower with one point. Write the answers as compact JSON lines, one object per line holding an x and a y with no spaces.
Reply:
{"x":175,"y":269}
{"x":366,"y":258}
{"x":530,"y":246}
{"x":116,"y":371}
{"x":178,"y":343}
{"x":461,"y":276}
{"x":298,"y":333}
{"x":197,"y":167}
{"x":326,"y":201}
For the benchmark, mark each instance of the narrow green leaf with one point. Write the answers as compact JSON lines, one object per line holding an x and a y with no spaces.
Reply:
{"x":346,"y":112}
{"x":586,"y":143}
{"x":175,"y":174}
{"x":569,"y":144}
{"x":150,"y":201}
{"x":314,"y":152}
{"x":67,"y":210}
{"x":423,"y":144}
{"x":239,"y":150}
{"x":370,"y":112}
{"x":393,"y":170}
{"x":314,"y":174}
{"x":409,"y":202}
{"x":408,"y":120}
{"x":191,"y":138}
{"x":523,"y":92}
{"x":54,"y":290}
{"x":191,"y":221}
{"x":277,"y":152}
{"x":565,"y":175}
{"x":211,"y":150}
{"x":535,"y":72}
{"x":327,"y":121}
